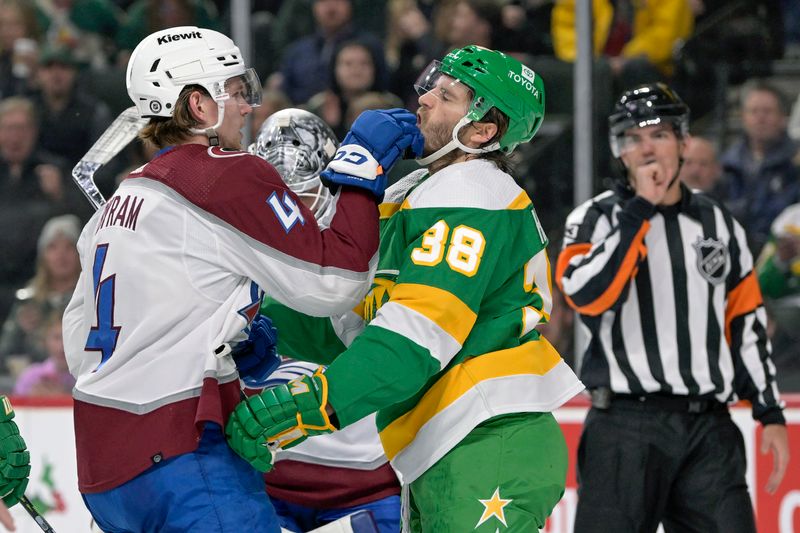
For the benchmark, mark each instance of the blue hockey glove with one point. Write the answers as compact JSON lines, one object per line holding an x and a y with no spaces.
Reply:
{"x":257,"y":357}
{"x":377,"y":139}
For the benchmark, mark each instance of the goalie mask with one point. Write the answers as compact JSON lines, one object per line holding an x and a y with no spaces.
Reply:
{"x":495,"y":80}
{"x":299,"y":145}
{"x":166,"y":61}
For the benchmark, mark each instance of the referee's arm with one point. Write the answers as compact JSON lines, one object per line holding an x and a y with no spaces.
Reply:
{"x":746,"y":333}
{"x":754,"y":373}
{"x":595,"y":275}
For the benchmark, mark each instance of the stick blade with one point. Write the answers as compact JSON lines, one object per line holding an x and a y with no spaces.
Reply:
{"x":116,"y":137}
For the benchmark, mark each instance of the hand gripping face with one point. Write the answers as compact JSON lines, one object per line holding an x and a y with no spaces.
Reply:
{"x":377,"y":139}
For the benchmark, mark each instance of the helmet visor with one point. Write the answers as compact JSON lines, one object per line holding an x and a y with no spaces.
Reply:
{"x":244,"y":89}
{"x":442,"y":85}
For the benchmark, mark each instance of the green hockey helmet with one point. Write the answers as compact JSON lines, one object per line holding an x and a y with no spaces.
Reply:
{"x":496,"y":80}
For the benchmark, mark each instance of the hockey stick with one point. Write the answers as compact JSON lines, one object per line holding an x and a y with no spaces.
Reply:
{"x":40,"y":521}
{"x":116,"y":137}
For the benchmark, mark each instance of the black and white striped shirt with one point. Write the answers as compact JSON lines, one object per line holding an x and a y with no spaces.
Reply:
{"x":670,"y":300}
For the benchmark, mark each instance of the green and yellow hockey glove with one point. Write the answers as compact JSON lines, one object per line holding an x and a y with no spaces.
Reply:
{"x":282,"y":416}
{"x":15,"y":461}
{"x":253,"y":450}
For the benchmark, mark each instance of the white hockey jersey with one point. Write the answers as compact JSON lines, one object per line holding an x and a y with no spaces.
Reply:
{"x":173,"y":267}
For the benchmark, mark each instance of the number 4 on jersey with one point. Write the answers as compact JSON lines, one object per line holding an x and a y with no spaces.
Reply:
{"x":103,"y":336}
{"x":286,"y":210}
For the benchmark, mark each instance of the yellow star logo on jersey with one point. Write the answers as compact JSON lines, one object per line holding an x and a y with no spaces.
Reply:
{"x":493,"y":507}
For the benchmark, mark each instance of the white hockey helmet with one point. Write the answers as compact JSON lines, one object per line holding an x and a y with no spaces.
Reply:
{"x":168,"y":60}
{"x":299,"y":145}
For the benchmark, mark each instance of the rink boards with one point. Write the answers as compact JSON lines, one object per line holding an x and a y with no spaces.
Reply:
{"x":46,"y":425}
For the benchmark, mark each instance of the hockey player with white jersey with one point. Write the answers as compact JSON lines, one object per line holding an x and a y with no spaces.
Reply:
{"x":174,"y":267}
{"x":450,"y":358}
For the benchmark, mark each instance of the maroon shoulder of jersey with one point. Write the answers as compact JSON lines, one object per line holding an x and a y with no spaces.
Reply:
{"x":235,"y":186}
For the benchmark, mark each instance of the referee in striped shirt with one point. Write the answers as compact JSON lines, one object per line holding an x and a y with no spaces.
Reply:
{"x":663,"y":281}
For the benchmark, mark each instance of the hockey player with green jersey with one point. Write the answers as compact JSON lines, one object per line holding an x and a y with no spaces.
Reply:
{"x":446,"y":349}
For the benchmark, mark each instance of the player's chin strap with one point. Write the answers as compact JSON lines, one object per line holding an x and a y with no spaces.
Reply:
{"x":211,"y":133}
{"x":456,"y":143}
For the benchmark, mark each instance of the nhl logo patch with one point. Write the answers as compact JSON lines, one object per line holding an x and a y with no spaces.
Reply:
{"x":712,"y":260}
{"x":155,"y":106}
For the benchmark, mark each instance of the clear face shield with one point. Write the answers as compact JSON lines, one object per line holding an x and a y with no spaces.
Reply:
{"x":442,"y":85}
{"x":623,"y":138}
{"x":244,"y":89}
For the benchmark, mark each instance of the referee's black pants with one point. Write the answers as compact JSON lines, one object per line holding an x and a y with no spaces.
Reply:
{"x":639,"y":465}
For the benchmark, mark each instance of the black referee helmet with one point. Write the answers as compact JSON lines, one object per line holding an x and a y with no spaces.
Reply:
{"x":646,"y":105}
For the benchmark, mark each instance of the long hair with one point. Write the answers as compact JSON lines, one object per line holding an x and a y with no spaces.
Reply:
{"x":42,"y":280}
{"x":166,"y":131}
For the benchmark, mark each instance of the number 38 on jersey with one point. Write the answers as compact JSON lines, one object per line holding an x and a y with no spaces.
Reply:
{"x":463,"y":252}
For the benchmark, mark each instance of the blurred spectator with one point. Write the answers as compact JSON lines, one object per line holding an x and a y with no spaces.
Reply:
{"x":19,"y":35}
{"x":272,"y":101}
{"x":295,"y":20}
{"x":49,"y":291}
{"x":794,"y":121}
{"x":779,"y":264}
{"x":352,"y":73}
{"x":791,"y":20}
{"x":27,"y":172}
{"x":148,"y":16}
{"x":779,"y":277}
{"x":760,"y":172}
{"x":51,"y":376}
{"x":526,"y":27}
{"x":88,"y":27}
{"x":32,"y":189}
{"x":410,"y":46}
{"x":306,"y":64}
{"x":69,"y":121}
{"x":733,"y":40}
{"x":371,"y":100}
{"x":701,"y":169}
{"x":636,"y":37}
{"x":473,"y":22}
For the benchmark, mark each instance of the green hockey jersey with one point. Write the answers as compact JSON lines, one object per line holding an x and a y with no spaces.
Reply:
{"x":450,"y":340}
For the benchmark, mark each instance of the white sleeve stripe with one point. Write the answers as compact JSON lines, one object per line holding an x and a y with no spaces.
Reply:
{"x":419,"y":329}
{"x":580,"y":277}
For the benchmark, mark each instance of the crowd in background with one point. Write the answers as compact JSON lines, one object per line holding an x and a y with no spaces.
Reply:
{"x":62,"y":66}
